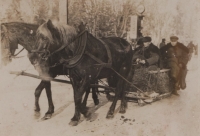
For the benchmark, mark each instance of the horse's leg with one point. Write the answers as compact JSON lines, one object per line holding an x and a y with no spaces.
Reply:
{"x":124,"y":71}
{"x":78,"y":87}
{"x":112,"y":81}
{"x":94,"y":94}
{"x":123,"y":105}
{"x":38,"y":91}
{"x":84,"y":103}
{"x":50,"y":111}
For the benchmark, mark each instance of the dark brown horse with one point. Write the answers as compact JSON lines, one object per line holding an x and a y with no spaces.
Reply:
{"x":87,"y":60}
{"x":15,"y":33}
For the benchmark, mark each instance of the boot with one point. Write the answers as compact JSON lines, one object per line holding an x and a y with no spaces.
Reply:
{"x":174,"y":92}
{"x":174,"y":88}
{"x":182,"y":79}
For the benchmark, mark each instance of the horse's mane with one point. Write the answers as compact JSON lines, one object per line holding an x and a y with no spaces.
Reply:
{"x":66,"y":33}
{"x":19,"y":23}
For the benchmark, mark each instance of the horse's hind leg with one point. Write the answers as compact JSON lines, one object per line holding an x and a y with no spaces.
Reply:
{"x":50,"y":101}
{"x":38,"y":91}
{"x":112,"y":82}
{"x":124,"y":71}
{"x":94,"y":94}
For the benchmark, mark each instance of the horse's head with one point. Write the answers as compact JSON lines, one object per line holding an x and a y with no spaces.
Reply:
{"x":19,"y":33}
{"x":50,"y":38}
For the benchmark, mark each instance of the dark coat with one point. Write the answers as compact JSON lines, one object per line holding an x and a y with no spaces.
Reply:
{"x":177,"y":53}
{"x":162,"y":44}
{"x":150,"y":54}
{"x":176,"y":59}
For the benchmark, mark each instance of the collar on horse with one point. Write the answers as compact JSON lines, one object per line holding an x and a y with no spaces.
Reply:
{"x":70,"y":63}
{"x":82,"y":41}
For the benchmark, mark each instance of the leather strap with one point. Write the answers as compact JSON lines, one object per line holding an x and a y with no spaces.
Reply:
{"x":107,"y":50}
{"x":69,"y":63}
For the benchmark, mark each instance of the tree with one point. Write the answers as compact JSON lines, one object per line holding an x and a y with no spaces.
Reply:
{"x":103,"y":17}
{"x":13,"y":12}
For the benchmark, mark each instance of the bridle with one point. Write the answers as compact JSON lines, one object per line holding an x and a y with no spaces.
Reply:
{"x":8,"y":47}
{"x":47,"y":53}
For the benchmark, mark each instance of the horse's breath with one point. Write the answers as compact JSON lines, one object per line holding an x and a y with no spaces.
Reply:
{"x":105,"y":58}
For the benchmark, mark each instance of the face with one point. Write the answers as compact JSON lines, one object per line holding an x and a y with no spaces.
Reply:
{"x":173,"y":43}
{"x":146,"y":44}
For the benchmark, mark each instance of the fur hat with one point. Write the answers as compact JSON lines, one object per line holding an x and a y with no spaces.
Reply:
{"x":146,"y":39}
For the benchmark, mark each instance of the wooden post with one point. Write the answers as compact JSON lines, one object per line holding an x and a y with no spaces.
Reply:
{"x":0,"y":46}
{"x":63,"y":11}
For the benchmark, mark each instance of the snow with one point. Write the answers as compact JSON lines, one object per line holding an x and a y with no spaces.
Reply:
{"x":176,"y":115}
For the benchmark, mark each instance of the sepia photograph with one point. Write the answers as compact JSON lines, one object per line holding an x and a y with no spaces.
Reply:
{"x":99,"y":68}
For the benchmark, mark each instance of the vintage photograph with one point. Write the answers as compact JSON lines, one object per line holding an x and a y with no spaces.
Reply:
{"x":99,"y":68}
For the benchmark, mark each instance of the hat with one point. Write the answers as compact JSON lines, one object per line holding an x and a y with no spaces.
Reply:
{"x":146,"y":39}
{"x":174,"y":38}
{"x":140,"y":41}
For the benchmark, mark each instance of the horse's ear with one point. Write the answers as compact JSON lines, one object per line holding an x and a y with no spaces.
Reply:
{"x":53,"y":30}
{"x":50,"y":25}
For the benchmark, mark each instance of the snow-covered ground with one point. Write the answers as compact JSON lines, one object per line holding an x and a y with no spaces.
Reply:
{"x":173,"y":116}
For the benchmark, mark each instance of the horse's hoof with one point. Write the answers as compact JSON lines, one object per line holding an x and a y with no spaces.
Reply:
{"x":122,"y":110}
{"x":37,"y":109}
{"x":110,"y":116}
{"x":87,"y":115}
{"x":96,"y":102}
{"x":47,"y":116}
{"x":73,"y":123}
{"x":37,"y":115}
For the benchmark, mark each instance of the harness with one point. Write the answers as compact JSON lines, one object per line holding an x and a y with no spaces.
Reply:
{"x":80,"y":51}
{"x":72,"y":62}
{"x":7,"y":46}
{"x":109,"y":63}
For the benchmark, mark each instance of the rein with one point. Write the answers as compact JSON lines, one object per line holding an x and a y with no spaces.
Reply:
{"x":17,"y":53}
{"x":59,"y":49}
{"x":62,"y":47}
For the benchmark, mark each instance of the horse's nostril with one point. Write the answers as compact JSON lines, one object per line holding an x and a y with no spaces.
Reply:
{"x":34,"y":61}
{"x":35,"y":64}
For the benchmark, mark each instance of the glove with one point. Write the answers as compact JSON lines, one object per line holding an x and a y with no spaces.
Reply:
{"x":138,"y":60}
{"x":180,"y":65}
{"x":142,"y":61}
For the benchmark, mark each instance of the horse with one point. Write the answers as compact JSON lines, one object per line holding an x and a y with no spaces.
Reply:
{"x":87,"y":59}
{"x":15,"y":33}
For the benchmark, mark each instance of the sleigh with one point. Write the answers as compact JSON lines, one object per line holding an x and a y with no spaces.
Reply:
{"x":151,"y":85}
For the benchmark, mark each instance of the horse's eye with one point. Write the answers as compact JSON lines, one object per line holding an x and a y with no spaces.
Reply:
{"x":44,"y":38}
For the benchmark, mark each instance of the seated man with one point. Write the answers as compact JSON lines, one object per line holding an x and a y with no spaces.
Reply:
{"x":175,"y":56}
{"x":148,"y":53}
